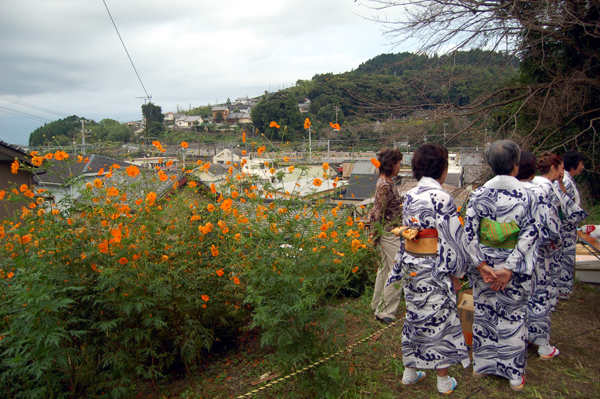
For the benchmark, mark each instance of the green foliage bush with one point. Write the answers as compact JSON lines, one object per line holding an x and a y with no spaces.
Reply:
{"x":134,"y":277}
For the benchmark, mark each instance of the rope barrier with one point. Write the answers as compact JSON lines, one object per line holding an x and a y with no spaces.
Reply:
{"x":319,"y":362}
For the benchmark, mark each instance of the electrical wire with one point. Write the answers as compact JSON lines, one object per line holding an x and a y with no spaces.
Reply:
{"x":123,"y":43}
{"x":24,"y":114}
{"x":32,"y":106}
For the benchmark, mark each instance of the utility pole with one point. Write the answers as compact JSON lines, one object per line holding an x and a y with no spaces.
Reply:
{"x":146,"y":114}
{"x":336,"y":109}
{"x":309,"y":145}
{"x":83,"y":122}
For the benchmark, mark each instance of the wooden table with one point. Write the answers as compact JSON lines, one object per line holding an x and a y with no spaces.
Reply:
{"x":589,"y":242}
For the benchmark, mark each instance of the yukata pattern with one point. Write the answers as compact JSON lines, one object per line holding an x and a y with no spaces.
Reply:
{"x":569,"y":234}
{"x":499,"y":330}
{"x":542,"y":289}
{"x":432,"y":336}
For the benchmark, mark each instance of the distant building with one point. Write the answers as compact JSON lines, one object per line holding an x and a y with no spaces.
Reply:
{"x":8,"y":154}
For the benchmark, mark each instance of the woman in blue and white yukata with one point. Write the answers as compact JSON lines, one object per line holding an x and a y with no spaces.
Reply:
{"x":545,"y":273}
{"x":565,"y":211}
{"x":502,"y":231}
{"x":431,"y":267}
{"x":573,"y":164}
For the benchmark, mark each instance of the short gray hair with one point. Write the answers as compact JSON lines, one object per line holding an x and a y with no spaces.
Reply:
{"x":502,"y":156}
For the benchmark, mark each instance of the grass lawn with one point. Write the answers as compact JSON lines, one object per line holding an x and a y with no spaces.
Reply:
{"x":374,"y":368}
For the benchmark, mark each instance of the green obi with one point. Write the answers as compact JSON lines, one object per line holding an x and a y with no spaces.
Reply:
{"x":498,"y":235}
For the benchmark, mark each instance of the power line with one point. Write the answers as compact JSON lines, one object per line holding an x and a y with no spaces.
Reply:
{"x":123,"y":43}
{"x":33,"y":106}
{"x":23,"y":114}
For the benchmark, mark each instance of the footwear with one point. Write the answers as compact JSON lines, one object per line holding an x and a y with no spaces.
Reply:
{"x":555,"y":352}
{"x":420,"y":375}
{"x":565,"y":297}
{"x":518,"y":384}
{"x":454,"y":384}
{"x":553,"y":309}
{"x":478,"y":375}
{"x":384,"y":320}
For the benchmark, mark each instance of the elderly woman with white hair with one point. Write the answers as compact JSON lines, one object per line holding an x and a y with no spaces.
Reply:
{"x":502,"y":231}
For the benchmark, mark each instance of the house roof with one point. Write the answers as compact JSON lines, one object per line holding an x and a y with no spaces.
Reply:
{"x":361,"y":187}
{"x":9,"y":152}
{"x":238,"y":115}
{"x":59,"y":172}
{"x":363,"y":168}
{"x":219,"y":107}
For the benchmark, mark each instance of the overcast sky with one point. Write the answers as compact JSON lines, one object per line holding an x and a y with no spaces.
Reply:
{"x":65,"y":55}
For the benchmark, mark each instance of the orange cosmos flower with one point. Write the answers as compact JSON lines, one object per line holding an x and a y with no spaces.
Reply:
{"x":226,"y":205}
{"x":169,"y":163}
{"x":25,"y":239}
{"x":59,"y":155}
{"x":98,"y":183}
{"x":162,"y":176}
{"x":23,"y":187}
{"x":10,"y":275}
{"x":112,"y":192}
{"x":79,"y":159}
{"x":272,"y":170}
{"x":325,"y":166}
{"x":375,"y":162}
{"x":101,"y":172}
{"x":192,"y":184}
{"x":306,"y":123}
{"x":2,"y":194}
{"x":184,"y":144}
{"x":220,"y":272}
{"x":36,"y":161}
{"x":291,"y":169}
{"x":274,"y":124}
{"x":243,"y":137}
{"x":286,"y":159}
{"x":234,"y":194}
{"x":335,"y":126}
{"x":355,"y":269}
{"x":322,"y":235}
{"x":317,"y":182}
{"x":14,"y":167}
{"x":349,"y":222}
{"x":115,"y":166}
{"x":204,"y":298}
{"x":29,"y":194}
{"x":214,"y":250}
{"x":103,"y":247}
{"x":236,"y":280}
{"x":260,"y":150}
{"x":49,"y":155}
{"x":243,"y":152}
{"x":210,"y":207}
{"x":151,"y":197}
{"x":123,"y":261}
{"x":213,"y":189}
{"x":132,"y":171}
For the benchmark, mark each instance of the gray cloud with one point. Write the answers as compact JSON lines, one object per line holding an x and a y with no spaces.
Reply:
{"x":66,"y":55}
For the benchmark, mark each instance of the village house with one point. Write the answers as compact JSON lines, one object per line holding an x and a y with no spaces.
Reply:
{"x":8,"y":154}
{"x":189,"y":122}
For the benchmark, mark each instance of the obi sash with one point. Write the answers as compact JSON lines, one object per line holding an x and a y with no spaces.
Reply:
{"x":426,"y":244}
{"x":498,"y":235}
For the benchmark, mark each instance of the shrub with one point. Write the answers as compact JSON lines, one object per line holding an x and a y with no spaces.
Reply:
{"x":134,"y":276}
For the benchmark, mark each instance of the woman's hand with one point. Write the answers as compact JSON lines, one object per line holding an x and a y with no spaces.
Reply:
{"x":502,"y":279}
{"x":456,"y":284}
{"x":488,"y":274}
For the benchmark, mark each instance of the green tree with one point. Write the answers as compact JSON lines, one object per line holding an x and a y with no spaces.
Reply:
{"x":281,"y":108}
{"x":154,"y":119}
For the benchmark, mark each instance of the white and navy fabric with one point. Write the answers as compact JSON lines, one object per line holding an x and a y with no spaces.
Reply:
{"x":569,"y":234}
{"x":542,"y":288}
{"x":432,"y":336}
{"x":499,"y":330}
